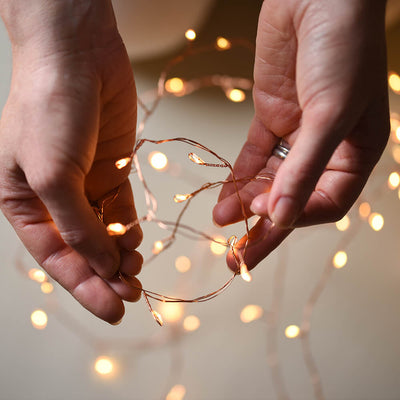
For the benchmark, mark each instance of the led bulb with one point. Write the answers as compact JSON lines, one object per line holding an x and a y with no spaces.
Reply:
{"x":158,"y":160}
{"x":158,"y":247}
{"x":244,"y":273}
{"x":157,"y":317}
{"x":180,"y":198}
{"x":196,"y":159}
{"x":104,"y":366}
{"x":190,"y":34}
{"x":116,"y":229}
{"x":123,"y":162}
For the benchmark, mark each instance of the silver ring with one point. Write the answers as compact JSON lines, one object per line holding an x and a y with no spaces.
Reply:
{"x":281,"y":151}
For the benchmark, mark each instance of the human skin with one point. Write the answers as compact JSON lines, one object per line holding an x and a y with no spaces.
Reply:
{"x":319,"y":84}
{"x":70,"y":114}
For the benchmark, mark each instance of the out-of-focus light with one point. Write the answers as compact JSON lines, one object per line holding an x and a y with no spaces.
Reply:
{"x":182,"y":264}
{"x":39,"y":319}
{"x":158,"y":318}
{"x":104,"y":366}
{"x":251,"y":313}
{"x":236,"y":95}
{"x":37,"y":275}
{"x":157,"y":246}
{"x":397,"y":135}
{"x":172,"y":312}
{"x":343,"y":224}
{"x":158,"y":160}
{"x":46,"y":287}
{"x":292,"y":331}
{"x":177,"y":392}
{"x":376,"y":221}
{"x":394,"y":82}
{"x":394,"y":180}
{"x":223,"y":43}
{"x":191,"y":323}
{"x":123,"y":162}
{"x":180,"y":198}
{"x":364,"y":210}
{"x":340,"y":259}
{"x":175,"y":86}
{"x":396,"y":153}
{"x":190,"y":34}
{"x":244,"y":273}
{"x":398,"y":193}
{"x":218,"y":246}
{"x":116,"y":229}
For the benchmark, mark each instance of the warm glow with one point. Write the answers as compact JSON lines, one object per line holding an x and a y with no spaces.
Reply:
{"x":196,"y":159}
{"x":191,"y":323}
{"x":46,"y":287}
{"x":39,"y":319}
{"x":123,"y":162}
{"x":394,"y":180}
{"x":236,"y":95}
{"x":292,"y":331}
{"x":222,"y":43}
{"x":157,"y":317}
{"x":190,"y":34}
{"x":376,"y":221}
{"x":158,"y":160}
{"x":218,"y":246}
{"x":116,"y":229}
{"x":251,"y":313}
{"x":364,"y":210}
{"x":175,"y":86}
{"x":396,"y":154}
{"x":180,"y":198}
{"x":104,"y":366}
{"x":340,"y":259}
{"x":176,"y":393}
{"x":343,"y":224}
{"x":182,"y":264}
{"x":244,"y":273}
{"x":157,"y":247}
{"x":37,"y":275}
{"x":394,"y":82}
{"x":172,"y":312}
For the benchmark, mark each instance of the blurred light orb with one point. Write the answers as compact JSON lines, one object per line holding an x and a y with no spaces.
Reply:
{"x":37,"y":275}
{"x":191,"y":323}
{"x":46,"y":287}
{"x":364,"y":210}
{"x":223,"y":43}
{"x":394,"y":82}
{"x":123,"y":162}
{"x":157,"y":247}
{"x":175,"y":86}
{"x":376,"y":221}
{"x":183,"y":264}
{"x":292,"y":331}
{"x":218,"y":246}
{"x":104,"y":366}
{"x":251,"y":313}
{"x":236,"y":95}
{"x":343,"y":224}
{"x":39,"y":319}
{"x":340,"y":259}
{"x":396,"y":153}
{"x":177,"y":392}
{"x":116,"y":229}
{"x":158,"y":160}
{"x":394,"y":180}
{"x":171,"y":312}
{"x":190,"y":34}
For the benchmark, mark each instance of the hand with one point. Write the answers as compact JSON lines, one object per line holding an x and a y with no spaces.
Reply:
{"x":70,"y":115}
{"x":320,"y":84}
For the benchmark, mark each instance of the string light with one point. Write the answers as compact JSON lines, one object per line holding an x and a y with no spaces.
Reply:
{"x":39,"y":319}
{"x":235,"y":95}
{"x":394,"y":82}
{"x":394,"y":180}
{"x":191,"y":323}
{"x":244,"y":273}
{"x":292,"y":331}
{"x":196,"y":159}
{"x":104,"y":366}
{"x":37,"y":275}
{"x":223,"y":43}
{"x":175,"y":86}
{"x":171,"y":312}
{"x":343,"y":224}
{"x":251,"y":313}
{"x":177,"y":392}
{"x":340,"y":259}
{"x":46,"y":287}
{"x":158,"y":246}
{"x":116,"y":229}
{"x":376,"y":221}
{"x":180,"y":198}
{"x":157,"y":317}
{"x":218,"y":246}
{"x":190,"y":34}
{"x":158,"y":160}
{"x":364,"y":210}
{"x":123,"y":162}
{"x":183,"y":264}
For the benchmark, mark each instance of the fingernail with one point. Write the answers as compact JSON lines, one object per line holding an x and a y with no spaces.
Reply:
{"x":116,"y":323}
{"x":286,"y":212}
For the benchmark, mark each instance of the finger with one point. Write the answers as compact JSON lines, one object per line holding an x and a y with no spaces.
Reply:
{"x":131,"y":292}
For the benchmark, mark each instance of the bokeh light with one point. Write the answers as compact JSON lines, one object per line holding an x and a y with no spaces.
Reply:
{"x":177,"y":392}
{"x":191,"y":323}
{"x":157,"y":247}
{"x":236,"y":95}
{"x":37,"y":275}
{"x":394,"y":180}
{"x":175,"y":86}
{"x":39,"y":319}
{"x":292,"y":331}
{"x":46,"y":287}
{"x":183,"y":264}
{"x":251,"y":313}
{"x":171,"y":312}
{"x":394,"y":82}
{"x":116,"y":229}
{"x":158,"y":160}
{"x":364,"y":210}
{"x":223,"y":43}
{"x":104,"y":366}
{"x":340,"y":259}
{"x":343,"y":224}
{"x":218,"y":246}
{"x":190,"y":34}
{"x":376,"y":221}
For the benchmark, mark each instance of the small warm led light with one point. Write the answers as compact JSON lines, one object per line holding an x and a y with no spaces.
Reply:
{"x":244,"y":273}
{"x":196,"y":159}
{"x":343,"y":224}
{"x":116,"y":229}
{"x":104,"y":366}
{"x":251,"y":313}
{"x":223,"y":43}
{"x":37,"y":275}
{"x":218,"y":246}
{"x":46,"y":287}
{"x":180,"y":198}
{"x":394,"y":180}
{"x":191,"y":323}
{"x":172,"y":312}
{"x":364,"y":210}
{"x":183,"y":264}
{"x":292,"y":331}
{"x":177,"y":392}
{"x":235,"y":95}
{"x":396,"y":154}
{"x":123,"y":162}
{"x":175,"y":86}
{"x":39,"y":319}
{"x":157,"y":317}
{"x":340,"y":259}
{"x":157,"y":247}
{"x":394,"y":82}
{"x":190,"y":34}
{"x":158,"y":160}
{"x":376,"y":221}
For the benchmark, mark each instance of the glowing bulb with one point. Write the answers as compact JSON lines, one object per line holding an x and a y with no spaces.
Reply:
{"x":39,"y":319}
{"x":235,"y":95}
{"x":218,"y":246}
{"x":180,"y":198}
{"x":177,"y":392}
{"x":37,"y":275}
{"x":104,"y":366}
{"x":292,"y":331}
{"x":196,"y":159}
{"x":116,"y":229}
{"x":46,"y":287}
{"x":158,"y":247}
{"x":394,"y":82}
{"x":175,"y":86}
{"x":158,"y":160}
{"x":340,"y":259}
{"x":157,"y":317}
{"x":172,"y":312}
{"x":376,"y":221}
{"x":222,"y":43}
{"x":182,"y":264}
{"x":190,"y":34}
{"x":251,"y":313}
{"x":343,"y":224}
{"x":123,"y":162}
{"x":394,"y":180}
{"x":396,"y":154}
{"x":364,"y":210}
{"x":191,"y":323}
{"x":244,"y":273}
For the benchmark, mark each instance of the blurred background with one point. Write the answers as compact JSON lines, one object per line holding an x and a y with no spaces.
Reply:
{"x":50,"y":348}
